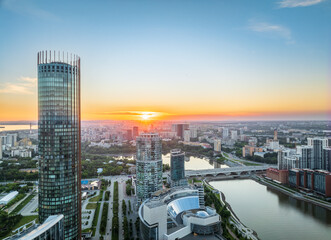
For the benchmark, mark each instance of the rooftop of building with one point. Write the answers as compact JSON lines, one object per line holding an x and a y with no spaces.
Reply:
{"x":35,"y":231}
{"x":9,"y":196}
{"x":176,"y":152}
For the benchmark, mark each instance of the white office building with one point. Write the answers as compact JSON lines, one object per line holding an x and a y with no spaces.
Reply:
{"x":187,"y":135}
{"x":234,"y":135}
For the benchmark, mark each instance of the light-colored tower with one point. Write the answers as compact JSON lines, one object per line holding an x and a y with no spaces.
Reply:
{"x":234,"y":135}
{"x":59,"y":140}
{"x":217,"y":145}
{"x":225,"y":132}
{"x":148,"y":165}
{"x":275,"y":135}
{"x":187,"y":135}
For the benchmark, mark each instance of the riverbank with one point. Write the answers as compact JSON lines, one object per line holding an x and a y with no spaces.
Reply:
{"x":291,"y":193}
{"x":245,"y":231}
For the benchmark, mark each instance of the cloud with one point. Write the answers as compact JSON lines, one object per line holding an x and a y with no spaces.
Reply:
{"x":132,"y":113}
{"x":272,"y":30}
{"x":298,"y":3}
{"x":24,"y":7}
{"x":25,"y":85}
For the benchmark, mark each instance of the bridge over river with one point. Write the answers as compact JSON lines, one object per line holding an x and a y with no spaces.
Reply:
{"x":242,"y":170}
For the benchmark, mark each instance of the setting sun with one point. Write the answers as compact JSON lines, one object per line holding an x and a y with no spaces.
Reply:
{"x":147,"y":115}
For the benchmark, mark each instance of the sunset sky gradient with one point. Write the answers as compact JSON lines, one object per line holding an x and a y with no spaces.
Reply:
{"x":174,"y":59}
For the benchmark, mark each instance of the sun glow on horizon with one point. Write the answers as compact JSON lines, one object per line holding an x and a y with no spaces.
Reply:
{"x":146,"y":115}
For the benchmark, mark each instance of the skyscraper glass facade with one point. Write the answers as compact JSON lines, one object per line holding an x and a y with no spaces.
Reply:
{"x":177,"y":168}
{"x":59,"y":140}
{"x":149,"y":165}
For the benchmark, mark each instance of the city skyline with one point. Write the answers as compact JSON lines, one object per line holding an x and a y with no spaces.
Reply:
{"x":170,"y":60}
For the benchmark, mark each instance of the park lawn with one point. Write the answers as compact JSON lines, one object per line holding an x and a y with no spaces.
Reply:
{"x":251,"y":164}
{"x":91,"y":206}
{"x":96,"y":198}
{"x":24,"y":220}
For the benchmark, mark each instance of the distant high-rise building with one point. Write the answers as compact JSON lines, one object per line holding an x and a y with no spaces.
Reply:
{"x":129,"y":134}
{"x":225,"y":133}
{"x":187,"y":135}
{"x":179,"y":129}
{"x":217,"y":145}
{"x":194,"y":132}
{"x":327,"y":159}
{"x":135,"y":132}
{"x":148,"y":165}
{"x":59,"y":140}
{"x":318,"y":144}
{"x":306,"y":158}
{"x":11,"y":139}
{"x":241,"y":131}
{"x":287,"y":159}
{"x":275,"y":135}
{"x":234,"y":135}
{"x":177,"y":168}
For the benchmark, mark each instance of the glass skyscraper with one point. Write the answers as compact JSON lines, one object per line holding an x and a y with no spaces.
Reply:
{"x":177,"y":168}
{"x":59,"y":139}
{"x":149,"y":165}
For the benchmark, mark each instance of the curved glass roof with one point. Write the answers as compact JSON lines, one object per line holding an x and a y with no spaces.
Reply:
{"x":202,"y":214}
{"x":183,"y":204}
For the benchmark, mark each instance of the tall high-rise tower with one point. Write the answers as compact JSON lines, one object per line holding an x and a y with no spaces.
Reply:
{"x":59,"y":140}
{"x":177,"y":168}
{"x":149,"y":165}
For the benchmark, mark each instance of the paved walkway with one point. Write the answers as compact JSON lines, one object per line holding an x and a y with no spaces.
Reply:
{"x":97,"y":231}
{"x":110,"y":212}
{"x":30,"y":208}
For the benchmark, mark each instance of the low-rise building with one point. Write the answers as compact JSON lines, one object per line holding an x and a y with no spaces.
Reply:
{"x":250,"y":150}
{"x":317,"y":181}
{"x":6,"y":199}
{"x":280,"y":176}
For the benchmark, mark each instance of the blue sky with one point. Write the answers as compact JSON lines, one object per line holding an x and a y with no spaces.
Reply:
{"x":226,"y":58}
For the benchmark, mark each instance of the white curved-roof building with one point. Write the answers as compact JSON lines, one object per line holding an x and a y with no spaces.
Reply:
{"x":176,"y":213}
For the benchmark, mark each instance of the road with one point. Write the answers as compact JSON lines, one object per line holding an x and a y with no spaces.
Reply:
{"x":243,"y":161}
{"x":110,"y":212}
{"x":30,"y":208}
{"x":97,"y":232}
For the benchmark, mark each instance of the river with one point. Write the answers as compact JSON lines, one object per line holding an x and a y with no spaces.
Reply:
{"x":17,"y":127}
{"x":192,"y":163}
{"x":274,"y":215}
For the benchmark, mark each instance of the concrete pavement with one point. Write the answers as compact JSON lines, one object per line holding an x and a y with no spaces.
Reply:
{"x":30,"y":208}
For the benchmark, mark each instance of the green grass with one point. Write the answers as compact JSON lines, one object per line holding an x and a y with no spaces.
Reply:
{"x":96,"y":216}
{"x":251,"y":164}
{"x":96,"y":198}
{"x":225,"y":154}
{"x":22,"y":204}
{"x":24,"y":220}
{"x":19,"y":197}
{"x":91,"y":206}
